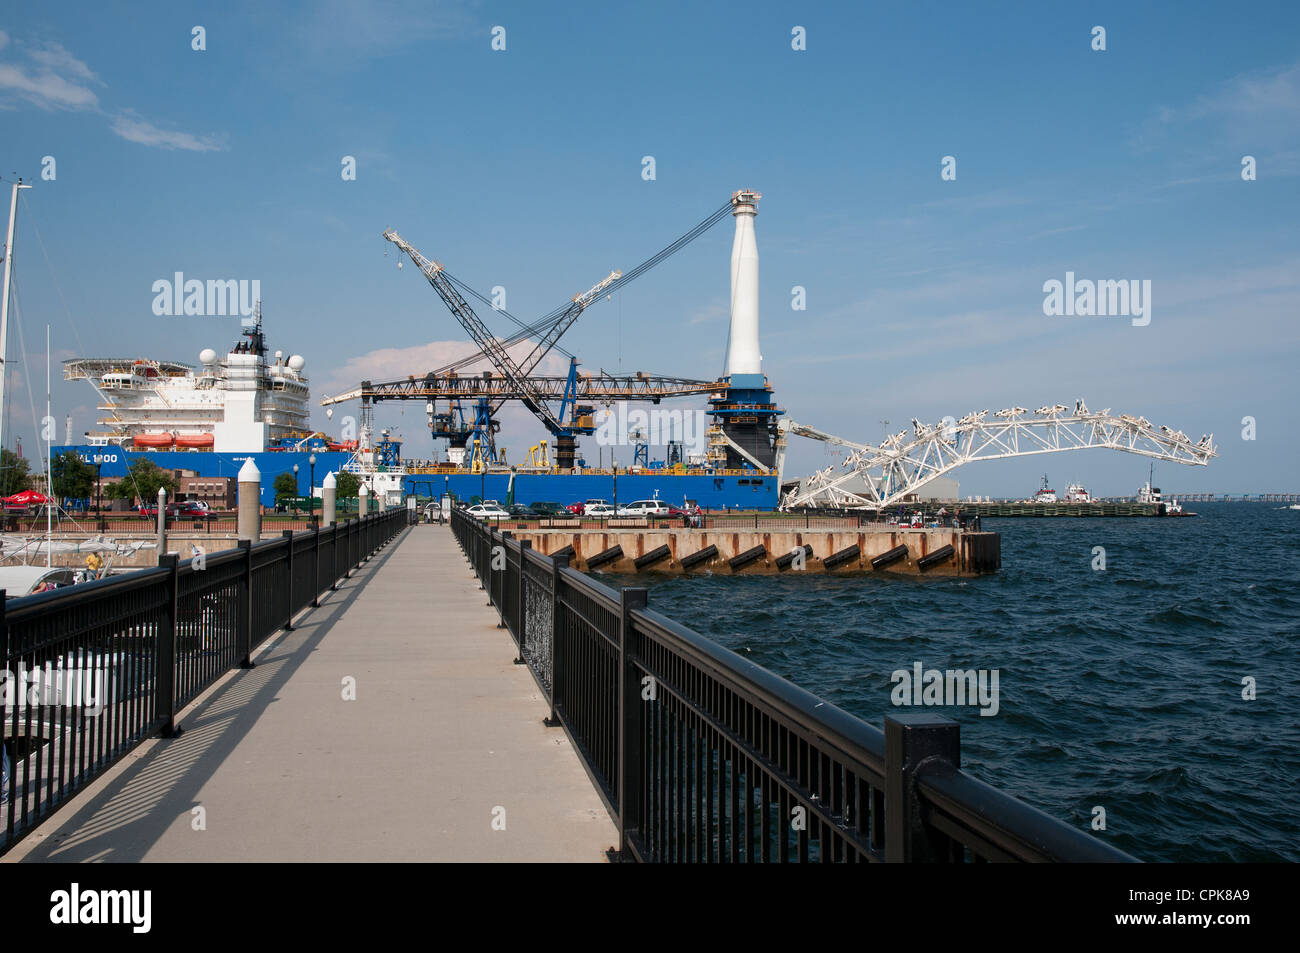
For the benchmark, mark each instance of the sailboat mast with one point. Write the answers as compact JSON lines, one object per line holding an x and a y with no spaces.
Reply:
{"x":4,"y":298}
{"x":48,"y":428}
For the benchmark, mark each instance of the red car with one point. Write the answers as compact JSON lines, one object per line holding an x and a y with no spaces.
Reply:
{"x":576,"y":508}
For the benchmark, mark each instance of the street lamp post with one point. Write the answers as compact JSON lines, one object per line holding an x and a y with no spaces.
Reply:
{"x":297,"y":487}
{"x":99,"y":485}
{"x":311,"y":488}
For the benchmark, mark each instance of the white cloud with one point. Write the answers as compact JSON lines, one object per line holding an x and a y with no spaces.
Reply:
{"x":56,"y":59}
{"x":1259,"y":110}
{"x":45,"y":88}
{"x":134,"y":129}
{"x":50,"y":77}
{"x":335,"y":32}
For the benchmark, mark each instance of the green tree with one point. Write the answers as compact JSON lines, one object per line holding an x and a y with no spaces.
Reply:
{"x":142,"y":480}
{"x":73,"y":477}
{"x":285,"y":485}
{"x":346,"y":485}
{"x":15,"y":473}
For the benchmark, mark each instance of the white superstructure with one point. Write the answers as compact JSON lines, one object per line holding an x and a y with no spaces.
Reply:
{"x":236,"y":403}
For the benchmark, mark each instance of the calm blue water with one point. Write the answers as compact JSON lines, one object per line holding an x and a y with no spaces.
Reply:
{"x":1119,"y":688}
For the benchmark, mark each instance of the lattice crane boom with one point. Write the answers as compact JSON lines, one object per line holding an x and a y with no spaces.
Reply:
{"x":488,"y":343}
{"x":902,"y":464}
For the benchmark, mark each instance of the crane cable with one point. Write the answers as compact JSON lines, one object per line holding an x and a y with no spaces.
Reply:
{"x":548,"y":321}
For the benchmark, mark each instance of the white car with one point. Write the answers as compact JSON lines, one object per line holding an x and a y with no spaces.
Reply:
{"x":599,"y":510}
{"x":644,"y":508}
{"x":590,"y":504}
{"x":487,"y":511}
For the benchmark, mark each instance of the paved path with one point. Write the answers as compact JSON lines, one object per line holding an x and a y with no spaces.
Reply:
{"x":444,"y":736}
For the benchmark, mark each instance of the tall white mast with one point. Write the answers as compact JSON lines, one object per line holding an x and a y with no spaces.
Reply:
{"x":743,"y":356}
{"x":47,"y":427}
{"x":4,"y":301}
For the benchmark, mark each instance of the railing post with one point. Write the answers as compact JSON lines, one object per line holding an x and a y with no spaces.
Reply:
{"x":557,"y":562}
{"x":315,"y":566}
{"x":287,"y":535}
{"x":912,"y":739}
{"x":479,"y":529}
{"x":349,"y":531}
{"x":630,"y":713}
{"x":244,"y":627}
{"x":503,"y":572}
{"x":521,"y":624}
{"x":334,"y":556}
{"x":165,"y":677}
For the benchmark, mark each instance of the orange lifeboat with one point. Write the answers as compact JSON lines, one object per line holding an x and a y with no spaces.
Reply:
{"x":197,"y":441}
{"x":153,"y":439}
{"x":345,"y":445}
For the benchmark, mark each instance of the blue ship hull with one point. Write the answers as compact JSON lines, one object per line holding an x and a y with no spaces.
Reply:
{"x":709,"y":490}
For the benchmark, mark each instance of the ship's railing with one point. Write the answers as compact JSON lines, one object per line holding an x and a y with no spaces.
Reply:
{"x":780,"y":522}
{"x":701,"y":755}
{"x":94,"y":669}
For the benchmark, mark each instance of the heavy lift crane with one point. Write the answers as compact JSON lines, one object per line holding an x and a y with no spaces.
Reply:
{"x":570,"y":421}
{"x":572,"y":418}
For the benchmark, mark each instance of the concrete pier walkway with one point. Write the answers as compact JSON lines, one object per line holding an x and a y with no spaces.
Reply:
{"x":442,"y":746}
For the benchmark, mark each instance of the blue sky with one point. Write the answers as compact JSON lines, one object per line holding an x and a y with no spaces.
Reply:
{"x":522,"y":169}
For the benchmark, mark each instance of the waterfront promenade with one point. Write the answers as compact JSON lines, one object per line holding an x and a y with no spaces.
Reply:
{"x":442,"y":746}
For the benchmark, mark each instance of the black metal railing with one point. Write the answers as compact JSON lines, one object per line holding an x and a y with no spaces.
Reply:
{"x":94,"y":669}
{"x":701,"y":755}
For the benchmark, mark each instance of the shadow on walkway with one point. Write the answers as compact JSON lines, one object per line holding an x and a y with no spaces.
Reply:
{"x":143,"y":795}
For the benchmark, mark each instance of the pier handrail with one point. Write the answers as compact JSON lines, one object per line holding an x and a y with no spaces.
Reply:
{"x":700,"y":754}
{"x":112,"y":661}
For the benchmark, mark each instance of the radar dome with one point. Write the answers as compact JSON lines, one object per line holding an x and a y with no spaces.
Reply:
{"x":297,"y":362}
{"x":279,"y":354}
{"x":207,"y":356}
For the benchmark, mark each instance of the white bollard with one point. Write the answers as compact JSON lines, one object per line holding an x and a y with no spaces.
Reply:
{"x":327,"y":497}
{"x":162,"y":521}
{"x":363,"y":500}
{"x":249,"y":521}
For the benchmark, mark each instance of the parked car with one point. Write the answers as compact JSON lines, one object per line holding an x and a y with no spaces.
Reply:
{"x":590,"y":504}
{"x":576,"y":508}
{"x":645,"y":508}
{"x":173,"y":509}
{"x":548,"y":509}
{"x":487,"y":511}
{"x":599,"y":511}
{"x":520,"y":511}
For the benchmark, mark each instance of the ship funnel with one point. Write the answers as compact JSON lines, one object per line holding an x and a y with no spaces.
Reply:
{"x":743,"y":356}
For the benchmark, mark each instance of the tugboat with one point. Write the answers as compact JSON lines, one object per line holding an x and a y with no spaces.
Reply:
{"x":1075,"y":493}
{"x":1045,"y":493}
{"x":1149,"y":493}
